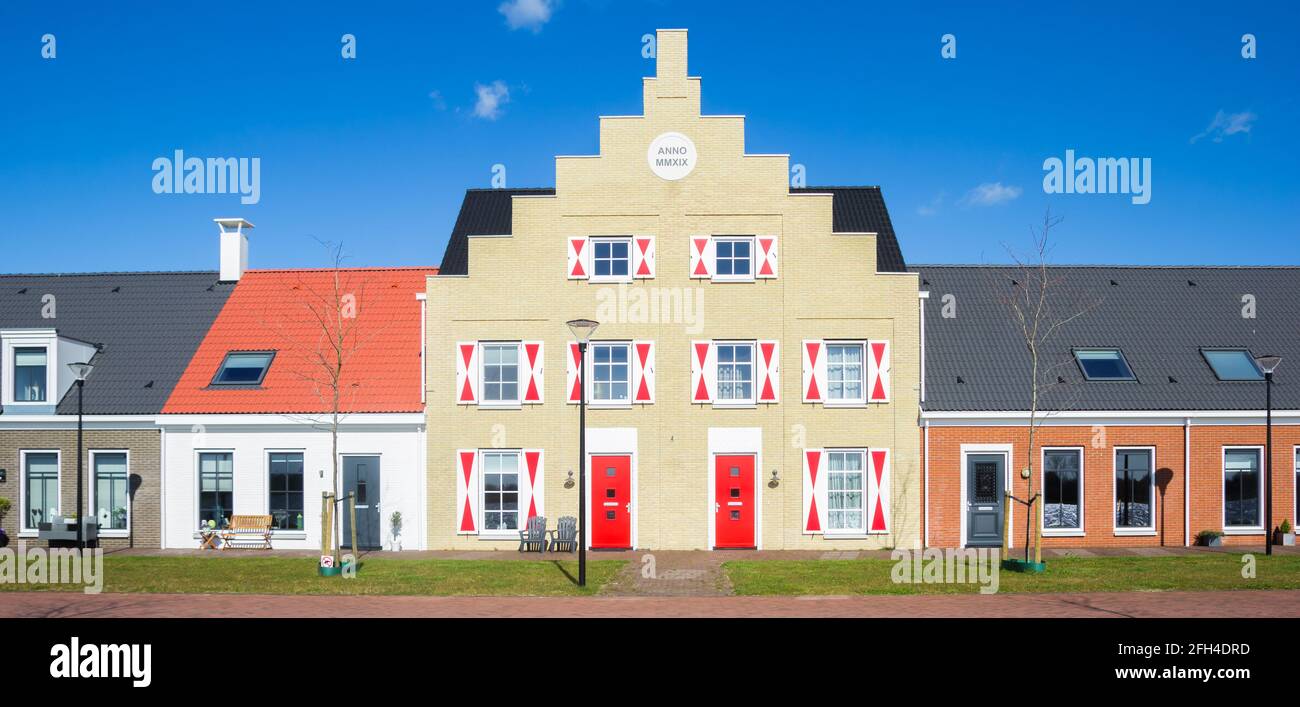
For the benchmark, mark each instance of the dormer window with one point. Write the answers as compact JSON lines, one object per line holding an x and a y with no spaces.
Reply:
{"x":1103,"y":365}
{"x":244,"y":368}
{"x":31,"y":365}
{"x":1232,"y":364}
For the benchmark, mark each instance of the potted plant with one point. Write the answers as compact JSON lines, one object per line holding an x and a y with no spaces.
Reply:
{"x":1209,"y":538}
{"x":5,"y":505}
{"x":395,"y":524}
{"x":1285,"y":534}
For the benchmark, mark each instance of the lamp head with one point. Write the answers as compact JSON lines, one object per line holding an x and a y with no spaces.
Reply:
{"x":80,"y":370}
{"x":582,"y":329}
{"x":1268,"y":363}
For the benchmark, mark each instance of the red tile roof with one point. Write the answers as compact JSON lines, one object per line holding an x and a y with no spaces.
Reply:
{"x":276,"y":310}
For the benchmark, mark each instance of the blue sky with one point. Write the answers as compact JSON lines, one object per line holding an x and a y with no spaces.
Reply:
{"x":376,"y":151}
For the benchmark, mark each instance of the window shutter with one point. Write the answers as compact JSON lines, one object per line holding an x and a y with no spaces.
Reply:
{"x":769,"y":371}
{"x":643,"y":372}
{"x":466,"y":491}
{"x":579,"y":258}
{"x":878,"y":485}
{"x":704,"y":371}
{"x":643,"y":257}
{"x":878,"y":371}
{"x":531,"y":486}
{"x":766,"y":260}
{"x":571,"y":374}
{"x":814,"y":491}
{"x":532,"y":372}
{"x":466,"y":372}
{"x":701,"y":257}
{"x":814,"y":370}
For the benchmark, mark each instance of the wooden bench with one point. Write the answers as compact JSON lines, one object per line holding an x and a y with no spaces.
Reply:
{"x":249,"y":532}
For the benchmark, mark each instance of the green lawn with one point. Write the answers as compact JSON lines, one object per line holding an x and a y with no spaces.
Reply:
{"x":1076,"y":574}
{"x":286,"y":575}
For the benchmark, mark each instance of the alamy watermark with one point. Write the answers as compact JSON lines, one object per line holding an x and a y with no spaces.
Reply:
{"x":38,"y":565}
{"x":1101,"y":175}
{"x":214,"y":175}
{"x":948,"y":566}
{"x":635,"y":304}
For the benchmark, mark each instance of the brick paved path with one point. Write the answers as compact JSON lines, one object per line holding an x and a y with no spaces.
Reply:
{"x":1239,"y":604}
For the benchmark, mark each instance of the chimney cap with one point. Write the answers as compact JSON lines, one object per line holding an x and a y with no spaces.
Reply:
{"x":232,"y":224}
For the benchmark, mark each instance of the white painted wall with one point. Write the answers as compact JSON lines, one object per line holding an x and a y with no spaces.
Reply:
{"x":398,"y":440}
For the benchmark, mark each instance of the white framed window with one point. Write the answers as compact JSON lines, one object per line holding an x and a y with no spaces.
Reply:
{"x":611,"y":259}
{"x":1295,"y":490}
{"x":1135,"y":493}
{"x":216,"y":487}
{"x":1062,"y":486}
{"x":845,"y":371}
{"x":846,"y":491}
{"x":1243,"y":489}
{"x":733,"y":258}
{"x":31,"y":374}
{"x":735,"y":373}
{"x":611,"y":373}
{"x":244,"y":368}
{"x":285,"y":489}
{"x":40,"y":487}
{"x":500,"y":369}
{"x":110,"y":490}
{"x":500,"y":492}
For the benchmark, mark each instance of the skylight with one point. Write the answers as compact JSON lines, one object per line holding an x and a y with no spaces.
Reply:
{"x":1103,"y":365}
{"x":1233,"y":364}
{"x":244,"y":368}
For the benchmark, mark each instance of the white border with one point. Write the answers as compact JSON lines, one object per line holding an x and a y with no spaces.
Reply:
{"x":1008,"y":452}
{"x":23,"y":530}
{"x":612,"y":442}
{"x":1081,"y":531}
{"x":90,"y":462}
{"x":1223,"y":491}
{"x":1156,"y":508}
{"x":735,"y":441}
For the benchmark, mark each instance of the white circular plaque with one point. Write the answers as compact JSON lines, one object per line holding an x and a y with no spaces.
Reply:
{"x":671,"y":156}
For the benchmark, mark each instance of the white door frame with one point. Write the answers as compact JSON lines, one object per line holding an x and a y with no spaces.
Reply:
{"x":746,"y":441}
{"x":1006,"y":451}
{"x":611,"y":442}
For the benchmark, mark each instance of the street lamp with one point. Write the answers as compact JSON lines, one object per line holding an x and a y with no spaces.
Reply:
{"x":80,"y":371}
{"x":582,"y":329}
{"x":1268,"y":364}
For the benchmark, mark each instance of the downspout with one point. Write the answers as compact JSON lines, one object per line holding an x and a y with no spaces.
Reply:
{"x":925,"y":521}
{"x":1187,"y":480}
{"x":162,"y":487}
{"x":926,"y":538}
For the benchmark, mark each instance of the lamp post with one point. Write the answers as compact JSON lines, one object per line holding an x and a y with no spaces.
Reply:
{"x":582,"y":329}
{"x":80,"y":371}
{"x":1268,"y":364}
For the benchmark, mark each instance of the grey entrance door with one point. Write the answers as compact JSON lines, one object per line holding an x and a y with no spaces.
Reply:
{"x":984,"y":484}
{"x":361,"y":475}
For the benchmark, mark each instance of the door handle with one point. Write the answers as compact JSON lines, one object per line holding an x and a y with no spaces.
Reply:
{"x":717,"y":507}
{"x":628,"y":508}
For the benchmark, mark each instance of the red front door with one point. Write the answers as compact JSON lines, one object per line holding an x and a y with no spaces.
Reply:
{"x":611,"y":502}
{"x":733,"y":496}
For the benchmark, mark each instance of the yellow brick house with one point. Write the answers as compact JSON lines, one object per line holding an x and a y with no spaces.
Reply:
{"x":754,"y":378}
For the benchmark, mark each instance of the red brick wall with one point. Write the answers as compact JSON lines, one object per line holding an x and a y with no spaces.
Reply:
{"x":1099,"y":443}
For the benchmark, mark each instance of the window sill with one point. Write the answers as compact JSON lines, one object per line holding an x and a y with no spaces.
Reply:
{"x":734,"y":406}
{"x":500,"y":406}
{"x":1243,"y":531}
{"x":509,"y":535}
{"x":858,"y":404}
{"x":1052,"y":533}
{"x":1135,"y":532}
{"x":609,"y":405}
{"x":605,"y":280}
{"x":289,"y":534}
{"x":115,"y":534}
{"x":848,"y":536}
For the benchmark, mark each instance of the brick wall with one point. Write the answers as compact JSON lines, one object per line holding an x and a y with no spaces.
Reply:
{"x":143,"y":448}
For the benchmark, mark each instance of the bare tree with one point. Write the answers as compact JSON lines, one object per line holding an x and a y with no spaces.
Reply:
{"x":1038,"y":314}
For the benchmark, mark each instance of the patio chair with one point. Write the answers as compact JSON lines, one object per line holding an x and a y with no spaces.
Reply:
{"x":532,"y":538}
{"x":565,"y":536}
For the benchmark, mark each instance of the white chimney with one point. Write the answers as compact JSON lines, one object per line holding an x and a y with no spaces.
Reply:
{"x":234,"y":248}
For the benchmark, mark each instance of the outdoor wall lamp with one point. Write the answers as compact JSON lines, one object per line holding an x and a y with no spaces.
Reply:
{"x":568,"y":483}
{"x":776,"y":480}
{"x":1024,"y":473}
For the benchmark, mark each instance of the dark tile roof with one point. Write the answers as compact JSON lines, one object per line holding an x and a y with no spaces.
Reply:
{"x":148,"y":325}
{"x":487,"y":212}
{"x":1160,"y":317}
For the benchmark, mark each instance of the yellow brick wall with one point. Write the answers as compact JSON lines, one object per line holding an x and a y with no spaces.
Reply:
{"x":827,"y":288}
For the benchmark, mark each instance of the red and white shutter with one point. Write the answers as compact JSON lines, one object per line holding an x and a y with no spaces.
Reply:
{"x":466,"y":372}
{"x":769,"y":371}
{"x":579,"y":258}
{"x":701,"y":257}
{"x":814,"y":491}
{"x":643,"y":372}
{"x":704,"y":371}
{"x":532,"y":372}
{"x":572,"y":361}
{"x":643,"y":257}
{"x":814,"y":370}
{"x":766,"y":260}
{"x":531,"y":486}
{"x":877,"y":371}
{"x":466,"y":491}
{"x":878,"y":485}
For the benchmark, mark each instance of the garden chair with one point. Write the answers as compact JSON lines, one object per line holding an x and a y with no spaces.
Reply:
{"x":532,"y":538}
{"x":565,"y":536}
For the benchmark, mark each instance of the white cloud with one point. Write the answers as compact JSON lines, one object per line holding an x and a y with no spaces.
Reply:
{"x":490,"y":99}
{"x":1225,"y":124}
{"x":931,"y":207}
{"x":530,"y":14}
{"x":990,"y":194}
{"x":438,"y":101}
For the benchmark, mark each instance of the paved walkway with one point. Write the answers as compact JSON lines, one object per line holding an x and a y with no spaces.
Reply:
{"x":1241,"y":604}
